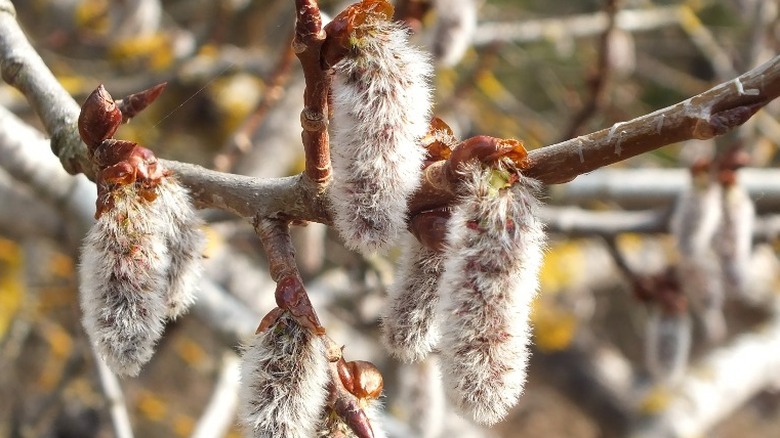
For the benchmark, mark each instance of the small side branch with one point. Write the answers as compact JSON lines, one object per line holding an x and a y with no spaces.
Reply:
{"x":309,"y":37}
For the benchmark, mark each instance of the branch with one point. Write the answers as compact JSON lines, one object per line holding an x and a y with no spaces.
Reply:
{"x":659,"y":187}
{"x":309,"y":37}
{"x":218,"y":416}
{"x":22,"y":68}
{"x":719,"y":384}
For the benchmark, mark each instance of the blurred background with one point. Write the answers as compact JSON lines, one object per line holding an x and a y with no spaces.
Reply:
{"x":614,"y":352}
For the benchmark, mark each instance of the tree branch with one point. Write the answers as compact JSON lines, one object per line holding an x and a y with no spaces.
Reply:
{"x":309,"y":37}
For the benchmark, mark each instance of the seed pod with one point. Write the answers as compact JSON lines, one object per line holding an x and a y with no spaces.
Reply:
{"x":185,"y":242}
{"x":667,"y":344}
{"x":492,"y":260}
{"x":455,"y":25}
{"x":409,"y":329}
{"x":123,"y":283}
{"x":381,"y":104}
{"x":284,"y":375}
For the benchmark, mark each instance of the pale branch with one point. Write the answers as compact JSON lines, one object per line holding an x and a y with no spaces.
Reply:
{"x":640,"y":188}
{"x":719,"y":384}
{"x":579,"y":222}
{"x":22,"y":68}
{"x":39,"y":218}
{"x":711,"y":113}
{"x":219,"y":414}
{"x":630,"y":20}
{"x":115,"y":398}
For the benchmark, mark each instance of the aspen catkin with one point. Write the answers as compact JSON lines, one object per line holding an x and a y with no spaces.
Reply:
{"x":185,"y":241}
{"x":409,"y":329}
{"x":492,"y":259}
{"x":381,"y":104}
{"x":123,"y":283}
{"x":284,"y":375}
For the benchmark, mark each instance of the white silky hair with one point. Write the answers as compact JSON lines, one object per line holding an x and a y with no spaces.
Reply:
{"x":381,"y":105}
{"x":123,"y":279}
{"x":140,"y":265}
{"x":494,"y":251}
{"x":409,"y":326}
{"x":284,"y":379}
{"x":456,"y":22}
{"x":185,"y":241}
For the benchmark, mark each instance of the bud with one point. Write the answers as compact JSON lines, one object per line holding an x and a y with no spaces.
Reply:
{"x":409,"y":328}
{"x":667,"y":344}
{"x":455,"y":25}
{"x":492,"y":260}
{"x":381,"y":104}
{"x":123,"y":283}
{"x":356,"y":413}
{"x":284,"y":377}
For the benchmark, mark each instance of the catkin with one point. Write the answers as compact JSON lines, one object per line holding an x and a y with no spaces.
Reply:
{"x":409,"y":328}
{"x":667,"y":344}
{"x":735,"y":237}
{"x":494,"y":252}
{"x":123,"y":283}
{"x":284,"y":375}
{"x":180,"y":228}
{"x":381,"y":105}
{"x":695,"y":221}
{"x":455,"y":26}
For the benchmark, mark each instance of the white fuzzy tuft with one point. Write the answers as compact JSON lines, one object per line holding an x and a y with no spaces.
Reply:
{"x":123,"y":283}
{"x":455,"y":26}
{"x":409,"y":329}
{"x":185,"y":241}
{"x":695,"y":221}
{"x":284,"y":375}
{"x":667,"y":344}
{"x":381,"y":106}
{"x":331,"y":425}
{"x":494,"y":252}
{"x":735,"y":238}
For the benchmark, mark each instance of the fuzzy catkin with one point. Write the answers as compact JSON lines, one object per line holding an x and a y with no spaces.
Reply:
{"x":694,"y":224}
{"x":455,"y":26}
{"x":735,"y":241}
{"x":381,"y":105}
{"x":667,"y":344}
{"x":284,"y":375}
{"x":494,"y":252}
{"x":123,"y":284}
{"x":185,"y":241}
{"x":409,"y":328}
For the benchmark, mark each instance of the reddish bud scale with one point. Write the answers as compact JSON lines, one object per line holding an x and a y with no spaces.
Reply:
{"x":489,"y":281}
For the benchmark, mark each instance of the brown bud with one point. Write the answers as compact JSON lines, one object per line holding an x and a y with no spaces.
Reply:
{"x":291,"y":296}
{"x":133,"y":104}
{"x":430,"y":227}
{"x":99,"y":118}
{"x":487,"y":150}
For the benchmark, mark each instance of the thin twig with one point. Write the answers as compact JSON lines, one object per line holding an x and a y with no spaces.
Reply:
{"x":309,"y":37}
{"x":116,"y":400}
{"x":218,"y":416}
{"x":601,"y":76}
{"x":241,"y":141}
